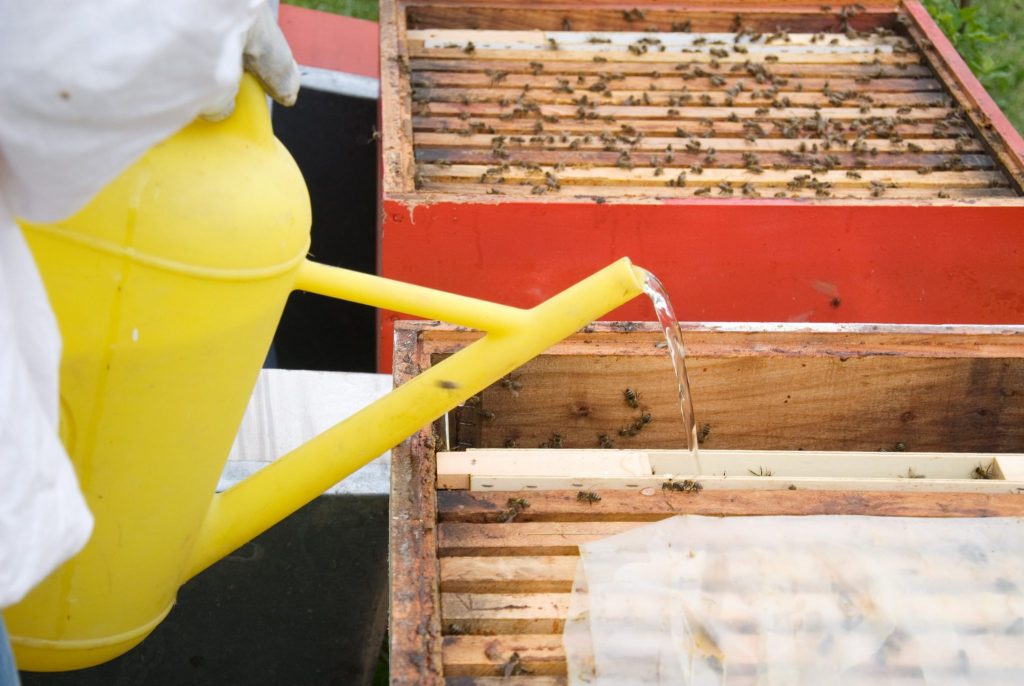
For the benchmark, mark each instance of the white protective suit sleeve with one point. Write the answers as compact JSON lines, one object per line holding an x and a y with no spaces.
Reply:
{"x":85,"y":89}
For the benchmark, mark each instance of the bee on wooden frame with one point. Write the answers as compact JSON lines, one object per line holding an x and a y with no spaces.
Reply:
{"x":985,"y":472}
{"x":513,"y":667}
{"x":631,"y":397}
{"x":513,"y":508}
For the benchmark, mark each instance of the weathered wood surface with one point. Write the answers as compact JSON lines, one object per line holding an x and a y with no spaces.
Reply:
{"x":522,"y":574}
{"x":586,"y":54}
{"x":532,"y":680}
{"x":427,"y":141}
{"x":831,"y":470}
{"x":466,"y":192}
{"x":519,"y":76}
{"x":798,"y":71}
{"x":610,"y":41}
{"x":734,"y":180}
{"x":717,"y":17}
{"x":490,"y":577}
{"x":543,"y":654}
{"x":415,"y":617}
{"x":466,"y":507}
{"x":398,"y":168}
{"x":464,"y":577}
{"x":790,"y":397}
{"x":506,"y":587}
{"x":679,"y":161}
{"x":556,"y":83}
{"x":586,"y":522}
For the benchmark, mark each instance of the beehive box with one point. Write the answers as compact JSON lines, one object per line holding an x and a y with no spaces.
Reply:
{"x":775,"y":161}
{"x":475,"y":579}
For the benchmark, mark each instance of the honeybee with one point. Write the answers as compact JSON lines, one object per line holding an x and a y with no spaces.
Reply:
{"x":632,"y":398}
{"x":982,"y":472}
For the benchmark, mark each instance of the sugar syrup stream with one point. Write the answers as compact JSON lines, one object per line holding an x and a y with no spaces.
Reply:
{"x":670,"y":325}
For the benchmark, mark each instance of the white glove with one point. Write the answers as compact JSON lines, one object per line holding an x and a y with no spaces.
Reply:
{"x":267,"y":57}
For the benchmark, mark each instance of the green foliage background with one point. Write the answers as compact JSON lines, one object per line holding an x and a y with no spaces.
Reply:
{"x":988,"y":33}
{"x":360,"y":9}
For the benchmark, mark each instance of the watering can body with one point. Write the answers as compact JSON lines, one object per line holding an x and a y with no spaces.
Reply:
{"x":168,"y":288}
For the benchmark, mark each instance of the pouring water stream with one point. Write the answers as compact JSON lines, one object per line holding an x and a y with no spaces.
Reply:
{"x":670,"y":325}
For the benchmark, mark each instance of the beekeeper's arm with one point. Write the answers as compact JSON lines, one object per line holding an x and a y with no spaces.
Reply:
{"x":85,"y":89}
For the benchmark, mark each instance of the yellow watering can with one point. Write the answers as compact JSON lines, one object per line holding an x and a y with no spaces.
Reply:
{"x":168,"y":288}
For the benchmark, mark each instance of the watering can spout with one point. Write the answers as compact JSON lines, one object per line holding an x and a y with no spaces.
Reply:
{"x":514,"y":336}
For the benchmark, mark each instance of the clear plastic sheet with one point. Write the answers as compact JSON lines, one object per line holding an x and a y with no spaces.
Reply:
{"x":801,"y":600}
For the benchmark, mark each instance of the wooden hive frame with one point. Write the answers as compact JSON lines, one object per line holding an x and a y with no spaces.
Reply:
{"x":780,"y":99}
{"x":476,"y":579}
{"x":590,"y":201}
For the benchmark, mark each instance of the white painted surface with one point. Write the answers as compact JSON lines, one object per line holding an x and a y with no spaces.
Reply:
{"x":289,"y":407}
{"x":339,"y":82}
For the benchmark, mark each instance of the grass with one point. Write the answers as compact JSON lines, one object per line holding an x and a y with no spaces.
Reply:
{"x":360,"y":9}
{"x":989,"y":34}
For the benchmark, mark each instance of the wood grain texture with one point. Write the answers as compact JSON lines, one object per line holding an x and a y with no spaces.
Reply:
{"x":893,"y":179}
{"x":501,"y":587}
{"x":796,"y":17}
{"x":531,"y":680}
{"x":529,"y":574}
{"x":619,"y":506}
{"x":546,"y":93}
{"x":846,"y":400}
{"x":505,"y":613}
{"x":426,"y":142}
{"x":464,"y":192}
{"x":415,"y":620}
{"x":614,"y":40}
{"x":798,"y":163}
{"x":555,"y":73}
{"x":541,"y":654}
{"x":520,"y":75}
{"x":398,"y":167}
{"x":544,"y":655}
{"x":681,"y":113}
{"x":649,"y":127}
{"x":661,"y":59}
{"x":786,"y":70}
{"x":545,"y":613}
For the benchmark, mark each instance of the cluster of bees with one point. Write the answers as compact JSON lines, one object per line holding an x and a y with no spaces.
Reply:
{"x":513,"y":508}
{"x":684,"y":486}
{"x":730,"y":85}
{"x":629,"y":396}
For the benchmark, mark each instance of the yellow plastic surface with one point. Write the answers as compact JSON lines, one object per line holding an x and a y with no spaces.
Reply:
{"x":168,"y":288}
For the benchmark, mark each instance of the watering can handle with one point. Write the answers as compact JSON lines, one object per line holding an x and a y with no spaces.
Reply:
{"x":513,"y":337}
